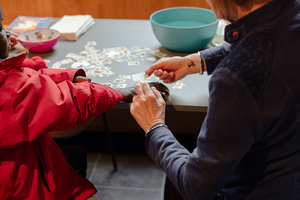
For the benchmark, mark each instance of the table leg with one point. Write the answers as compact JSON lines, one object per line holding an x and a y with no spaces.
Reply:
{"x":110,"y":143}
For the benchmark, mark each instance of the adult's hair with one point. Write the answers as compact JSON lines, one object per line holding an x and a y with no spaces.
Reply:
{"x":249,"y":3}
{"x":226,"y":8}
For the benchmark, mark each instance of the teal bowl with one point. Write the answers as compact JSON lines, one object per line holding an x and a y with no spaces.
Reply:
{"x":184,"y":29}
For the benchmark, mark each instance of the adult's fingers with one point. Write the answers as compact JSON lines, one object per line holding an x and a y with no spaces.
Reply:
{"x":156,"y":93}
{"x":135,"y":102}
{"x":146,"y":88}
{"x":158,"y":73}
{"x":167,"y":77}
{"x":151,"y":70}
{"x":134,"y":99}
{"x":138,"y":88}
{"x":164,"y":75}
{"x":155,"y":66}
{"x":132,"y":105}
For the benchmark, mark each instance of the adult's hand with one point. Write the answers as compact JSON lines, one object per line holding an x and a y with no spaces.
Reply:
{"x":175,"y":68}
{"x":148,"y":106}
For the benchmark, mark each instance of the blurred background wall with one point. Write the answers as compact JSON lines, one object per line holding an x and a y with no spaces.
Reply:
{"x":112,"y":9}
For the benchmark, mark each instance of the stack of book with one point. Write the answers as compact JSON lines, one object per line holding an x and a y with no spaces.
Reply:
{"x":25,"y":23}
{"x":72,"y":27}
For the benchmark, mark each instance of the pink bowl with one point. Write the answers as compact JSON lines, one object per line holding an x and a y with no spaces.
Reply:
{"x":39,"y":40}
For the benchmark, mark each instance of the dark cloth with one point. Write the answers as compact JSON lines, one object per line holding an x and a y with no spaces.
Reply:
{"x":248,"y":146}
{"x":76,"y":157}
{"x":170,"y":191}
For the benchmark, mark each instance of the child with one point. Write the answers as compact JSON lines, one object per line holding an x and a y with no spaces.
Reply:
{"x":34,"y":101}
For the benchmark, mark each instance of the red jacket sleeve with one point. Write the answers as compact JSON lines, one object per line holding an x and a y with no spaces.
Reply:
{"x":37,"y":65}
{"x":40,"y":106}
{"x":59,"y":75}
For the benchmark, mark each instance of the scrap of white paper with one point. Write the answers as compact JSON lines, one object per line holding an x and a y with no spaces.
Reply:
{"x":66,"y":61}
{"x":122,"y":85}
{"x":107,"y":84}
{"x":85,"y":64}
{"x":117,"y":80}
{"x":134,"y":63}
{"x":71,"y":55}
{"x":178,"y":85}
{"x":139,"y":77}
{"x":153,"y":76}
{"x":125,"y":76}
{"x":92,"y":43}
{"x":76,"y":65}
{"x":56,"y":65}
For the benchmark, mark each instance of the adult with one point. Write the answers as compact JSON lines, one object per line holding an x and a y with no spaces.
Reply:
{"x":248,"y":145}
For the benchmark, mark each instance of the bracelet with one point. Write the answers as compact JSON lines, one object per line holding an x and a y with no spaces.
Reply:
{"x":201,"y":63}
{"x":155,"y":127}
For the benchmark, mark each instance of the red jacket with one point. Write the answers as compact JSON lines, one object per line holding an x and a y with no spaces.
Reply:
{"x":32,"y":104}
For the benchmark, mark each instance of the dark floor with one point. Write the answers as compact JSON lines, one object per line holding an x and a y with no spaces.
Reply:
{"x":137,"y":176}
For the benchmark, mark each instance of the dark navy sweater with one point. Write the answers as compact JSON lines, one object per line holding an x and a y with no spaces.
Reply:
{"x":249,"y":143}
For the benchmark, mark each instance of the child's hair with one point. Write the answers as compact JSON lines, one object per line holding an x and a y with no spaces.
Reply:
{"x":4,"y":39}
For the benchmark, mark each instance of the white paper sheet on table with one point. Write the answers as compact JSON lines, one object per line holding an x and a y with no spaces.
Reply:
{"x":72,"y":27}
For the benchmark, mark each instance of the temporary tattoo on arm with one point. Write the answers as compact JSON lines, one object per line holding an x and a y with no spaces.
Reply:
{"x":191,"y":64}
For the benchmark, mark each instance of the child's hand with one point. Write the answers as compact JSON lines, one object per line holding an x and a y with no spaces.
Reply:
{"x":14,"y":39}
{"x":78,"y":79}
{"x":129,"y":92}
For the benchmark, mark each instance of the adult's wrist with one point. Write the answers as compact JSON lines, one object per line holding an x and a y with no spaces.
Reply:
{"x":201,"y":59}
{"x":155,"y":127}
{"x":202,"y":63}
{"x":193,"y":63}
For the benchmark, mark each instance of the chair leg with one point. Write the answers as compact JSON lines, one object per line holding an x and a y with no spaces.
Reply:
{"x":110,"y":143}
